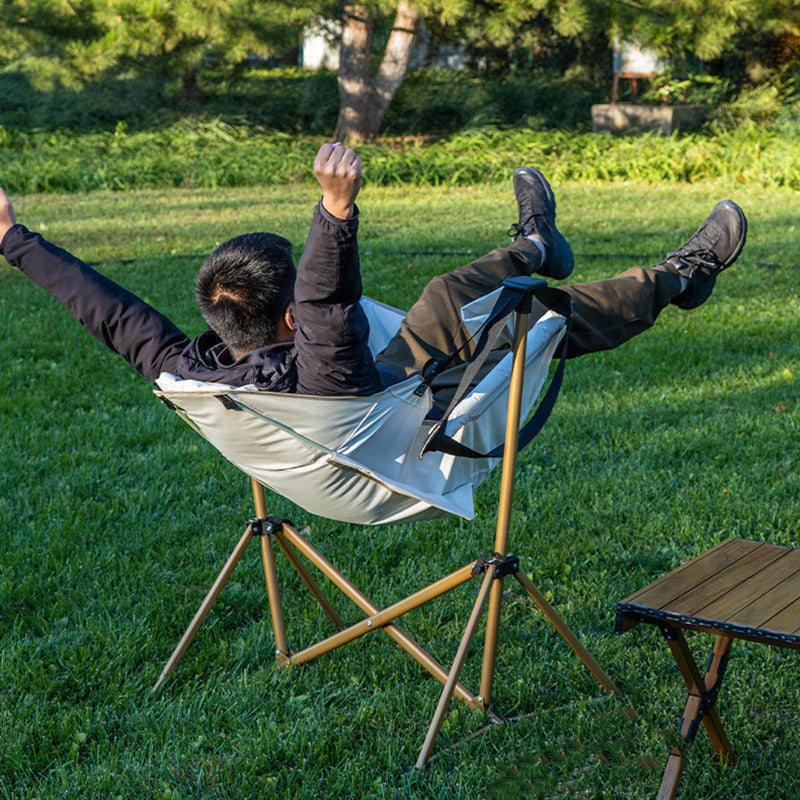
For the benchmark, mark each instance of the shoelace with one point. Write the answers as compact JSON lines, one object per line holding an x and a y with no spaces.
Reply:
{"x":696,"y":259}
{"x":521,"y":230}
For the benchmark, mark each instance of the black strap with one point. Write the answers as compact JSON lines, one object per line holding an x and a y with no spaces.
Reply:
{"x":507,"y":303}
{"x":512,"y":294}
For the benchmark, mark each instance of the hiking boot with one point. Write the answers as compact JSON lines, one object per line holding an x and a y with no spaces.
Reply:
{"x":713,"y":248}
{"x":537,"y":215}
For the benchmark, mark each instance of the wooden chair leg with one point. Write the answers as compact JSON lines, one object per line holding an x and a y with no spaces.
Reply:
{"x":455,"y":669}
{"x":282,"y":651}
{"x":260,"y":501}
{"x":205,"y":607}
{"x":554,"y":618}
{"x":309,"y":581}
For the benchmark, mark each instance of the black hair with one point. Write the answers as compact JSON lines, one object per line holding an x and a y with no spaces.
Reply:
{"x":244,"y":287}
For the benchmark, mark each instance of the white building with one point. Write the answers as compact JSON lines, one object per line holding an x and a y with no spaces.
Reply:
{"x":322,"y":42}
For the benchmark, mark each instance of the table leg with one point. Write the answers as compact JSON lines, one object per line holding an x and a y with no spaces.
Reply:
{"x":703,"y":690}
{"x":713,"y":679}
{"x":672,"y":775}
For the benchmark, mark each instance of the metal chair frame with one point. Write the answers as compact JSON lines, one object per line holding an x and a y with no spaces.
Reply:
{"x":492,"y":570}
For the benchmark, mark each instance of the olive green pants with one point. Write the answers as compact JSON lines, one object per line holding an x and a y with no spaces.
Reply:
{"x":605,"y":314}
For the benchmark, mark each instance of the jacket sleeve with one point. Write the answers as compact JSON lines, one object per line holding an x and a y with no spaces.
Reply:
{"x":124,"y":323}
{"x":332,"y":356}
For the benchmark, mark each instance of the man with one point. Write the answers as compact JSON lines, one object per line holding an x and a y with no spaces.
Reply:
{"x":307,"y":333}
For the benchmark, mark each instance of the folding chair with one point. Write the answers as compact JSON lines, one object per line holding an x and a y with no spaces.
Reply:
{"x":378,"y":460}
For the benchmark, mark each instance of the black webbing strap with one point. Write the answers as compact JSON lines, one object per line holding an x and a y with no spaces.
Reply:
{"x":510,"y":299}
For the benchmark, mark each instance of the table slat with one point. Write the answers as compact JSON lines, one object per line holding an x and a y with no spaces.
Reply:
{"x":759,"y":599}
{"x":674,"y":584}
{"x":787,"y":620}
{"x":790,"y":616}
{"x":724,"y":587}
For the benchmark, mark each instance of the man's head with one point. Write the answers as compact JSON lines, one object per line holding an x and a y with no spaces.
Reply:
{"x":244,"y":289}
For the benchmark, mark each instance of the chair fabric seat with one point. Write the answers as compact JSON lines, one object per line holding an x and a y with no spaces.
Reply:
{"x":356,"y":459}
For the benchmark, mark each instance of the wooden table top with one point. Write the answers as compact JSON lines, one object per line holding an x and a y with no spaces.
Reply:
{"x":748,"y":590}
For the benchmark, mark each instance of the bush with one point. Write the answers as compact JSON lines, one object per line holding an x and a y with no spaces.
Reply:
{"x":430,"y":102}
{"x":441,"y":102}
{"x":755,"y":106}
{"x":137,"y":100}
{"x":214,"y":153}
{"x":292,"y":100}
{"x":700,"y":88}
{"x":288,"y":100}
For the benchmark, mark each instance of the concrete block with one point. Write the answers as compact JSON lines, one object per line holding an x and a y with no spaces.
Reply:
{"x":637,"y":117}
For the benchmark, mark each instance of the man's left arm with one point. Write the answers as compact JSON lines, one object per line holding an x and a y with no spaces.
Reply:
{"x":7,"y":216}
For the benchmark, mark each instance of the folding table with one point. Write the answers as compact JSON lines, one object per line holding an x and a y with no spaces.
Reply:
{"x":737,"y":590}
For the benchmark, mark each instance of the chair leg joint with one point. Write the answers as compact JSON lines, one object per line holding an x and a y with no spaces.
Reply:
{"x":503,"y":566}
{"x":265,"y":526}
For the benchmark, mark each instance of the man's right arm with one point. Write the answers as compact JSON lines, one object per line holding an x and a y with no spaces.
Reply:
{"x":7,"y":215}
{"x":331,"y":342}
{"x":123,"y":322}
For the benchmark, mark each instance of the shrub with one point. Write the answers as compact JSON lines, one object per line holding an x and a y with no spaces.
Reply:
{"x":701,"y":88}
{"x":754,"y":106}
{"x":430,"y":101}
{"x":209,"y":153}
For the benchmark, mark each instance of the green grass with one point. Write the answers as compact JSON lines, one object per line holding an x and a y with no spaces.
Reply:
{"x":117,"y":518}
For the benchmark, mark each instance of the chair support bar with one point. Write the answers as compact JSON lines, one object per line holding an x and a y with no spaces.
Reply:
{"x":289,"y":536}
{"x":380,"y":618}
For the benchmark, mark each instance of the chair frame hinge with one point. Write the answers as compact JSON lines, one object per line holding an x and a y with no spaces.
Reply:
{"x":264,"y":526}
{"x":503,"y":566}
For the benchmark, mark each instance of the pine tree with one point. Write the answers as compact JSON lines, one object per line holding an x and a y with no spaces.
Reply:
{"x":706,"y":28}
{"x":72,"y":40}
{"x":40,"y":36}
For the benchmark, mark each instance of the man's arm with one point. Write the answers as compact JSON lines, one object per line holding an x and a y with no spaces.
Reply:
{"x":7,"y":216}
{"x":338,"y":170}
{"x":146,"y":339}
{"x":332,"y":356}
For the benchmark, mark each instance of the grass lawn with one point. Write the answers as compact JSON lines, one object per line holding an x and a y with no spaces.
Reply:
{"x":117,"y":518}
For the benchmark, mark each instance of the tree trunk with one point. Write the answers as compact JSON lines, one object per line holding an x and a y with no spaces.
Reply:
{"x":364,"y":98}
{"x":189,"y":81}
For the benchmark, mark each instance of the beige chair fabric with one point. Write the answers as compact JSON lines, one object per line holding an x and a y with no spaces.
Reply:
{"x":356,"y":459}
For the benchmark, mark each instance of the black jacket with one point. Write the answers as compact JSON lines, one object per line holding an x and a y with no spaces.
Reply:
{"x":328,"y":357}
